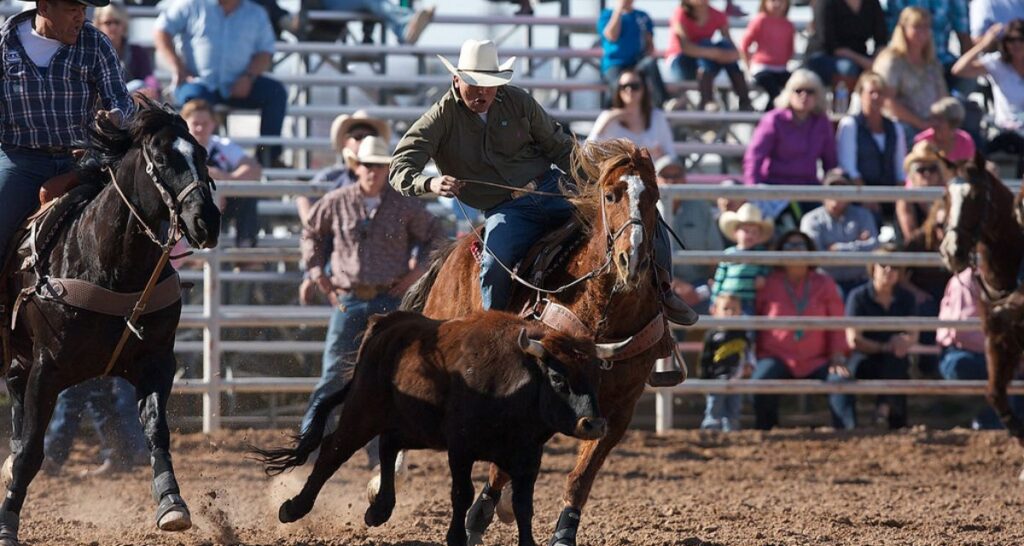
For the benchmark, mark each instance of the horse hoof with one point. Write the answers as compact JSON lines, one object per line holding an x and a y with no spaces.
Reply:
{"x":474,"y":538}
{"x":287,"y":512}
{"x":504,"y":508}
{"x":173,"y":514}
{"x":375,"y":517}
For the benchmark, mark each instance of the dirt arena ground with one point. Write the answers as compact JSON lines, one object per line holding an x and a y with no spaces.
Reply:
{"x":688,"y":488}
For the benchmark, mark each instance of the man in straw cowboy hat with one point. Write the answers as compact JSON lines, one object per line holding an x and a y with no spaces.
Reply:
{"x":373,"y":231}
{"x":59,"y":73}
{"x":484,"y":130}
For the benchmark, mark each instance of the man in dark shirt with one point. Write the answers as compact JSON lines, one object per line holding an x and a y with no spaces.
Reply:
{"x":878,"y":355}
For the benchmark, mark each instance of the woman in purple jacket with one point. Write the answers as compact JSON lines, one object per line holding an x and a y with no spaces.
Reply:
{"x":788,"y":143}
{"x":136,"y":60}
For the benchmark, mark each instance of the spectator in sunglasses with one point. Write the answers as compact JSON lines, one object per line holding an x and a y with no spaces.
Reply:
{"x":1005,"y":70}
{"x":634,"y":117}
{"x":925,"y":167}
{"x":136,"y":61}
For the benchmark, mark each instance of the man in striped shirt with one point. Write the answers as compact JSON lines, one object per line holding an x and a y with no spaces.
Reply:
{"x":58,"y":74}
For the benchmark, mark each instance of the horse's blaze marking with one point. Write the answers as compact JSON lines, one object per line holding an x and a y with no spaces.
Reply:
{"x":186,"y":149}
{"x":634,"y":188}
{"x":957,"y":195}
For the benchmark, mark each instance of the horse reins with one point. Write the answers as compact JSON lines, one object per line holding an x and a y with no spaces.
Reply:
{"x":174,"y":234}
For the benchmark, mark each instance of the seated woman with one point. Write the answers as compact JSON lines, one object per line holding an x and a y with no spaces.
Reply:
{"x":911,"y":69}
{"x":797,"y":290}
{"x":944,"y":121}
{"x":633,"y":117}
{"x":924,"y":168}
{"x":870,"y":146}
{"x":774,"y":35}
{"x":878,"y":354}
{"x":694,"y":56}
{"x":837,"y":51}
{"x":137,"y":61}
{"x":1005,"y":70}
{"x":788,"y":143}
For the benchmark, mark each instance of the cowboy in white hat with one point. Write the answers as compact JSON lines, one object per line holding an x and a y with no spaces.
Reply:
{"x":367,"y":232}
{"x":486,"y":130}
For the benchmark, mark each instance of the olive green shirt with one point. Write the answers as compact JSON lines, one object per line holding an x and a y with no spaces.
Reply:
{"x":518,"y":143}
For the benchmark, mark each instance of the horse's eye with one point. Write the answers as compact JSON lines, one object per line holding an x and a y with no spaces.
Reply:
{"x":609,"y":197}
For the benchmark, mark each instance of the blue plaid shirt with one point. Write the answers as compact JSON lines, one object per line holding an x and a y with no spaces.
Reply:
{"x":948,"y":16}
{"x":52,"y":108}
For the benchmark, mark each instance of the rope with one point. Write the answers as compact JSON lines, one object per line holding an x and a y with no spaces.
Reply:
{"x":513,"y":188}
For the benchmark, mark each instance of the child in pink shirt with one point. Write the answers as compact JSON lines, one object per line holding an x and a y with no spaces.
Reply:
{"x":693,"y":55}
{"x":774,"y":35}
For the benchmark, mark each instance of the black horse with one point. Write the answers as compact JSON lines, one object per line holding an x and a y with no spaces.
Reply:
{"x":159,"y":173}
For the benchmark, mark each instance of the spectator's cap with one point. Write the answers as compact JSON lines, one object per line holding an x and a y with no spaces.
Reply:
{"x":478,"y":64}
{"x":344,"y":123}
{"x":837,"y":177}
{"x":749,"y":213}
{"x":667,"y":161}
{"x":372,"y":151}
{"x":91,"y":3}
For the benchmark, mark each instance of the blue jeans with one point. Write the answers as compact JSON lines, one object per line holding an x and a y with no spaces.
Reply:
{"x":828,"y":67}
{"x":511,"y":229}
{"x":876,"y":366}
{"x":267,"y":95}
{"x":766,"y":406}
{"x":956,"y":364}
{"x":344,"y":334}
{"x":393,"y":15}
{"x":685,"y":68}
{"x":22,"y":173}
{"x":722,"y":412}
{"x":110,"y":403}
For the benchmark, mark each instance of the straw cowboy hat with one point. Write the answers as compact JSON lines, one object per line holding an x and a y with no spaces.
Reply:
{"x":372,"y":151}
{"x":478,"y":64}
{"x":926,"y":152}
{"x":345,"y":122}
{"x":749,"y":213}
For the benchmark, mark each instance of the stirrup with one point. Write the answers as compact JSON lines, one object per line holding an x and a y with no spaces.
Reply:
{"x":673,"y":377}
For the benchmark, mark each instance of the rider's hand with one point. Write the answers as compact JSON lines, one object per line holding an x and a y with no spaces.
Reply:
{"x":445,"y":186}
{"x":112,"y":117}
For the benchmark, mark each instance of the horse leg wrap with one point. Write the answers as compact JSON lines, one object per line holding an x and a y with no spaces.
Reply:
{"x":565,"y":531}
{"x":9,"y":523}
{"x":482,"y":512}
{"x":164,"y":484}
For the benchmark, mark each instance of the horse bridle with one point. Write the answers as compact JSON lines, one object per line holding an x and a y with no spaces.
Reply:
{"x":975,"y":232}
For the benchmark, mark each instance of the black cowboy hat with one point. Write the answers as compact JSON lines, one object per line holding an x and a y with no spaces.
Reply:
{"x":90,"y":3}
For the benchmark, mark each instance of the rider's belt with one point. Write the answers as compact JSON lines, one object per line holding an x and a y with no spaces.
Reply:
{"x":525,"y":190}
{"x":368,"y":291}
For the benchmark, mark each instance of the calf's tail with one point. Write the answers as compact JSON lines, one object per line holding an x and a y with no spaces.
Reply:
{"x":276,"y":461}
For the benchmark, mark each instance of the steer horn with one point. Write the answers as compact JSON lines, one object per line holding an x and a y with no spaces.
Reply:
{"x":531,"y":346}
{"x":607,"y":351}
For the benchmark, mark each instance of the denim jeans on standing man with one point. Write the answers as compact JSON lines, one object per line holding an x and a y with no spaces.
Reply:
{"x":110,"y":403}
{"x":22,"y":173}
{"x":394,"y":15}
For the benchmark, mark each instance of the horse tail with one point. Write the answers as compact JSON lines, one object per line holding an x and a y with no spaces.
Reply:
{"x":415,"y":298}
{"x":276,"y":461}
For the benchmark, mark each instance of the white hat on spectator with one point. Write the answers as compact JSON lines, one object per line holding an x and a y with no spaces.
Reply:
{"x":478,"y":64}
{"x":372,"y":151}
{"x":344,"y":123}
{"x":749,"y":213}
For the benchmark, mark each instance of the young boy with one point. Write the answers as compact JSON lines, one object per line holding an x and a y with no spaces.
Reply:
{"x":749,"y":230}
{"x":727,"y":354}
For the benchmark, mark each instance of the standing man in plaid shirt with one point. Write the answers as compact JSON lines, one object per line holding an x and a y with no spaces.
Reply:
{"x":58,"y":74}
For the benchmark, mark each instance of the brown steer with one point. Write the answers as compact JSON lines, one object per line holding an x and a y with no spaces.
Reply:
{"x":487,"y":387}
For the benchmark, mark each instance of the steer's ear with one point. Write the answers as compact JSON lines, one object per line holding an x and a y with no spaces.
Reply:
{"x":530,"y":346}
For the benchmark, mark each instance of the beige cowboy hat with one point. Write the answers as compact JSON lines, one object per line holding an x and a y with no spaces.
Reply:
{"x":478,"y":64}
{"x":372,"y":151}
{"x":344,"y":123}
{"x":926,"y":152}
{"x":748,"y":213}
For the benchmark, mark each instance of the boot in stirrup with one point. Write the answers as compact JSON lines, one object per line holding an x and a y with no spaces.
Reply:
{"x":675,"y":308}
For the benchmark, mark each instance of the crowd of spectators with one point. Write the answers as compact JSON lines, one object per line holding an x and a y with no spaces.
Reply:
{"x":906,"y":121}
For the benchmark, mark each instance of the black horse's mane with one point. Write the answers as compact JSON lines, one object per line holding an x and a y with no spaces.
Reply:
{"x":107,"y":145}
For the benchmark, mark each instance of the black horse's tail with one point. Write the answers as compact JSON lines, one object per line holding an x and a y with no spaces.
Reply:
{"x":415,"y":298}
{"x":276,"y":461}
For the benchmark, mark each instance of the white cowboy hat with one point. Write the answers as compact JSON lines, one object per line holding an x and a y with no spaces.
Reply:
{"x":478,"y":64}
{"x":749,"y":213}
{"x":345,"y":122}
{"x":372,"y":151}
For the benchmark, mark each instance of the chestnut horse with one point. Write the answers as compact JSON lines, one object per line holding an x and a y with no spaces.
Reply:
{"x":981,"y":228}
{"x":608,"y":284}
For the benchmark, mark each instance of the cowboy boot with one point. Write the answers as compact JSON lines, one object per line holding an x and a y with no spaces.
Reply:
{"x":706,"y":86}
{"x":742,"y":90}
{"x":676,"y":310}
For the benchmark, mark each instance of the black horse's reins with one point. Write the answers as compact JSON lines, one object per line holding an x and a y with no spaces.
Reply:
{"x":174,"y":234}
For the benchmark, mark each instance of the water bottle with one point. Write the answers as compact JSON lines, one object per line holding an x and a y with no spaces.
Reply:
{"x":841,"y":99}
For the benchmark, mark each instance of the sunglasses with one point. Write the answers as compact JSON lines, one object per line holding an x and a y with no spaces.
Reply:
{"x":926,"y":169}
{"x":632,"y":86}
{"x":359,"y":136}
{"x":805,"y":91}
